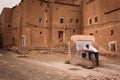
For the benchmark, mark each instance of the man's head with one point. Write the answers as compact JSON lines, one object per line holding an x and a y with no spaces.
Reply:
{"x":87,"y":45}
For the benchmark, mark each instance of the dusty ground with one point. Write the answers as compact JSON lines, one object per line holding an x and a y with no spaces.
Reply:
{"x":52,"y":67}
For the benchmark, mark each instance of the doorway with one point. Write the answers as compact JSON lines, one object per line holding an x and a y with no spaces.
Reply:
{"x":60,"y":36}
{"x":113,"y":47}
{"x":23,"y":40}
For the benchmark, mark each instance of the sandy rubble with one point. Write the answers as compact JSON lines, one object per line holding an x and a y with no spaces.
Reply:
{"x":52,"y":67}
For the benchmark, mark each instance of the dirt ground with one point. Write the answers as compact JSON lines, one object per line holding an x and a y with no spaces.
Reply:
{"x":38,"y":66}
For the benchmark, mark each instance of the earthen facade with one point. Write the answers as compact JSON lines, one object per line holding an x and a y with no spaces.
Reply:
{"x":102,"y":20}
{"x":48,"y":23}
{"x":38,"y":23}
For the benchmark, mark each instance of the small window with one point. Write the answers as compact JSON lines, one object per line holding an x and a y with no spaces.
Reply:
{"x":74,"y":31}
{"x":40,"y":20}
{"x":113,"y":47}
{"x":35,"y":26}
{"x":90,"y":21}
{"x":91,"y":34}
{"x":61,"y":20}
{"x":60,"y":36}
{"x":112,"y":32}
{"x":71,"y":20}
{"x":48,"y":5}
{"x":46,"y":21}
{"x":9,"y":26}
{"x":40,"y":33}
{"x":77,"y":20}
{"x":96,"y":19}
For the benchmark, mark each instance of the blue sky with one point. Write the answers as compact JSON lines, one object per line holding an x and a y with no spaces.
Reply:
{"x":8,"y":3}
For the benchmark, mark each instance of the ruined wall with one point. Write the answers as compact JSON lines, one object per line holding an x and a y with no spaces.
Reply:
{"x":6,"y":26}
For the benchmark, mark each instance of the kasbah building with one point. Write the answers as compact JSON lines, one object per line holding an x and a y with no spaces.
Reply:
{"x":50,"y":23}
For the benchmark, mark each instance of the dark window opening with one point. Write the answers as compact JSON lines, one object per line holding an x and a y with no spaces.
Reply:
{"x":61,"y":20}
{"x":96,"y":19}
{"x":77,"y":20}
{"x":9,"y":26}
{"x":46,"y":21}
{"x":91,"y":34}
{"x":60,"y":36}
{"x":40,"y":20}
{"x":71,"y":20}
{"x":112,"y":32}
{"x":35,"y":26}
{"x":113,"y":47}
{"x":74,"y":31}
{"x":40,"y":32}
{"x":90,"y":21}
{"x":48,"y":5}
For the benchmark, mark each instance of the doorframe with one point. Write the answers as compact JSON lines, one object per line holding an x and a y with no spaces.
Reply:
{"x":110,"y":48}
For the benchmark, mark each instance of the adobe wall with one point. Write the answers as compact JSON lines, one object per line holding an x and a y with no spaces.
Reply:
{"x":106,"y":29}
{"x":65,"y":12}
{"x":6,"y":17}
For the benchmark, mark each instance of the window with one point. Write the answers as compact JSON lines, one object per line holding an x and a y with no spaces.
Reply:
{"x":74,"y":31}
{"x":46,"y":21}
{"x":9,"y":26}
{"x":90,"y":21}
{"x":113,"y":46}
{"x":71,"y":20}
{"x":112,"y":32}
{"x":96,"y":19}
{"x":61,"y":20}
{"x":77,"y":20}
{"x":60,"y":36}
{"x":48,"y":5}
{"x":91,"y":34}
{"x":40,"y":33}
{"x":35,"y":26}
{"x":40,"y":20}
